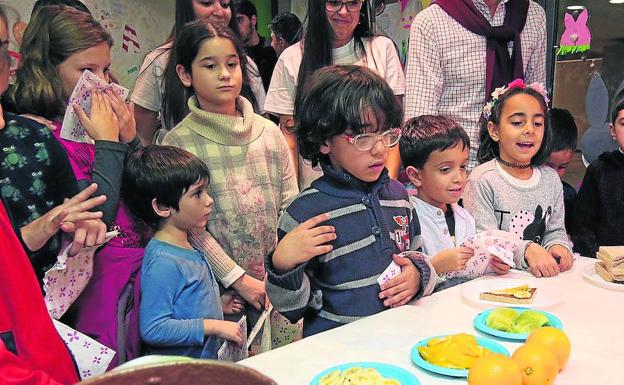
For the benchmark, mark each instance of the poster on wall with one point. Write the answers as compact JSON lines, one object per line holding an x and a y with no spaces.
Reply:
{"x":136,"y":26}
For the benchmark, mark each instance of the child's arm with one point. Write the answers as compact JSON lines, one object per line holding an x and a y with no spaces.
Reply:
{"x":287,"y":284}
{"x":555,"y":236}
{"x":452,"y":259}
{"x":229,"y":330}
{"x":161,"y":283}
{"x":586,"y":215}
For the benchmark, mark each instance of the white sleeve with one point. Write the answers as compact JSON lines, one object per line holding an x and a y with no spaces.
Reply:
{"x":148,"y":86}
{"x":280,"y":98}
{"x":255,"y":83}
{"x":392,"y":69}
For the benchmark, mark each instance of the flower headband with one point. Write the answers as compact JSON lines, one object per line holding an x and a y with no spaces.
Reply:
{"x":518,"y":83}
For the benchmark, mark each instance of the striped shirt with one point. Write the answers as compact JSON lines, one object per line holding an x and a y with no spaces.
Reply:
{"x":373,"y":221}
{"x":445,"y":71}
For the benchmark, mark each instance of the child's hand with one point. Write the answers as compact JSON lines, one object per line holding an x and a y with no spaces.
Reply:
{"x":563,"y":255}
{"x":402,"y":288}
{"x":103,"y":123}
{"x":88,"y":233}
{"x":305,"y":242}
{"x":252,"y":290}
{"x":232,"y":303}
{"x":125,"y":116}
{"x":541,"y":263}
{"x":453,"y":259}
{"x":231,"y":331}
{"x":499,"y":266}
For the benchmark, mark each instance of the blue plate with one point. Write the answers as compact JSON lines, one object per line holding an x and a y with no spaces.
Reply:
{"x":386,"y":370}
{"x":419,"y":361}
{"x":480,"y":324}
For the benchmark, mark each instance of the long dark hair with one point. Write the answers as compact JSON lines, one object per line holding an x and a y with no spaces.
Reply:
{"x":185,"y":49}
{"x":184,"y":14}
{"x":488,"y":149}
{"x":318,"y":37}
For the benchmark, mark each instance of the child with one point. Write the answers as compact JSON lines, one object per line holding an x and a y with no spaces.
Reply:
{"x":252,"y":174}
{"x":348,"y":120}
{"x":599,"y":209}
{"x":434,"y":152}
{"x":512,"y":190}
{"x":58,"y":45}
{"x":563,"y":145}
{"x":181,"y":312}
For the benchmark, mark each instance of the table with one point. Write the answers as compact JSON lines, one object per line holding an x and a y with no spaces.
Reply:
{"x":592,"y":318}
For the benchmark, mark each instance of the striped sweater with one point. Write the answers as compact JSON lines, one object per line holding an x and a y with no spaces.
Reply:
{"x":373,"y":221}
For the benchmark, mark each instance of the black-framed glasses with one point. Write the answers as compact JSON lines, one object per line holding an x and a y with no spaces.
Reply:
{"x":353,"y":6}
{"x":365,"y":142}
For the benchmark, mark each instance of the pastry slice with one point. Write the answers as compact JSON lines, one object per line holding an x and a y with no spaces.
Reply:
{"x":514,"y":295}
{"x":611,"y":255}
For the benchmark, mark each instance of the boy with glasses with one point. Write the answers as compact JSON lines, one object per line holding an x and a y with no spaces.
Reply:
{"x":338,"y":237}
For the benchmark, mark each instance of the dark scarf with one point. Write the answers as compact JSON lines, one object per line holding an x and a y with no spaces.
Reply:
{"x":501,"y":69}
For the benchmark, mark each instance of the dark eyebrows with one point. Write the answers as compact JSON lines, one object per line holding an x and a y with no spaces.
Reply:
{"x":214,"y":58}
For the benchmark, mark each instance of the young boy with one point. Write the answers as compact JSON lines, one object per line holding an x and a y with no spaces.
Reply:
{"x":339,"y":235}
{"x":564,"y":139}
{"x":180,"y":312}
{"x":434,"y":152}
{"x":599,"y":207}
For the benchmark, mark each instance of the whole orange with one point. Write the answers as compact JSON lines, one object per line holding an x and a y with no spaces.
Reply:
{"x":537,"y":364}
{"x":554,"y":340}
{"x":494,"y":369}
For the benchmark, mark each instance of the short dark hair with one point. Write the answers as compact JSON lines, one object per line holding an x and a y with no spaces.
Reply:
{"x":68,"y":3}
{"x":425,"y":134}
{"x":488,"y":148}
{"x":618,"y":106}
{"x":245,"y":7}
{"x":333,"y":100}
{"x":161,"y":172}
{"x":287,"y":26}
{"x":564,"y":130}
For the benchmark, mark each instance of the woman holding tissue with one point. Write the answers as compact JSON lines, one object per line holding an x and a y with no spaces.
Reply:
{"x":59,"y":46}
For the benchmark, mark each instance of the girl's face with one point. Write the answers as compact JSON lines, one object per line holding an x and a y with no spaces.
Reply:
{"x":520,"y":130}
{"x":343,"y":21}
{"x":216,"y":76}
{"x":213,"y":10}
{"x":95,"y":59}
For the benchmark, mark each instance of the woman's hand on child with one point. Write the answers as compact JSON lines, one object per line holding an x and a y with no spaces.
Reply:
{"x":303,"y":243}
{"x":252,"y":290}
{"x":63,"y":217}
{"x":125,"y":116}
{"x":232,"y":303}
{"x":563,"y":255}
{"x":452,"y":259}
{"x":541,"y":262}
{"x":401,"y":289}
{"x":499,"y":266}
{"x":103,"y":123}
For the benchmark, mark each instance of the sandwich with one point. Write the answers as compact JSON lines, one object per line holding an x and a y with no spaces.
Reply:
{"x":514,"y":295}
{"x":611,"y":263}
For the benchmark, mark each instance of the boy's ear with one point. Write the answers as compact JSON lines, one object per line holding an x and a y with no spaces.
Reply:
{"x":160,"y":209}
{"x":493,"y":131}
{"x":325,"y":148}
{"x":612,"y":130}
{"x":184,"y":76}
{"x":414,"y":175}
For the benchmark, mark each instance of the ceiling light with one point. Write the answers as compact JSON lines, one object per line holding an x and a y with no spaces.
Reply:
{"x":616,"y":1}
{"x":580,"y":7}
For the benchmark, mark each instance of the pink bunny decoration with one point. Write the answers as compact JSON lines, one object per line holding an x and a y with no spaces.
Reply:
{"x":576,"y":37}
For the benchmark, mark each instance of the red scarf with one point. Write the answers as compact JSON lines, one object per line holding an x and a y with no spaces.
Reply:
{"x":27,"y":329}
{"x":500,"y":68}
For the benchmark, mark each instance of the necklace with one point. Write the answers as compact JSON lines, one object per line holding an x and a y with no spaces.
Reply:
{"x":513,"y":165}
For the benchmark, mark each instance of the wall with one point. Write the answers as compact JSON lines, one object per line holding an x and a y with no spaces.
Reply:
{"x":151,"y":22}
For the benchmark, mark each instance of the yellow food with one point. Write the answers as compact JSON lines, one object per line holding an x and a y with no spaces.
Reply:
{"x":554,"y":340}
{"x":356,"y":376}
{"x":538,"y":365}
{"x":495,"y":369}
{"x":523,"y":291}
{"x":458,"y":351}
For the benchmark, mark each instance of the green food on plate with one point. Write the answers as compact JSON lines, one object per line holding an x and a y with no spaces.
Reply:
{"x":509,"y":320}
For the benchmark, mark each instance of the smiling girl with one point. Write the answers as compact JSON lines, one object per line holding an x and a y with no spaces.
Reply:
{"x":513,"y":190}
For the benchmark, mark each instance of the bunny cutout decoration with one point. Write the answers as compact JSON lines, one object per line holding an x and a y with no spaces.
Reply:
{"x":576,"y":37}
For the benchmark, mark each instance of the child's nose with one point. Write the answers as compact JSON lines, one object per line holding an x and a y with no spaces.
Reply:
{"x":378,"y":146}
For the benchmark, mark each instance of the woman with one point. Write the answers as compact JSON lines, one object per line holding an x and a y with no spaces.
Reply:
{"x":336,"y":32}
{"x":158,"y":89}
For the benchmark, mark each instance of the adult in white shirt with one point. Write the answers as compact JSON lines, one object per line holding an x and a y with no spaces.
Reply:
{"x":336,"y":32}
{"x":148,"y":97}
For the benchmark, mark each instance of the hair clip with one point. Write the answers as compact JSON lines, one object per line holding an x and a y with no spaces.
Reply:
{"x":518,"y":83}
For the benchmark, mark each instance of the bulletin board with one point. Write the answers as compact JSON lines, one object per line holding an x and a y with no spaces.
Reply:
{"x":137,"y":27}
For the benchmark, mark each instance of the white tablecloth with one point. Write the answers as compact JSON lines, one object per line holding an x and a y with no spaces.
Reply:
{"x":592,"y":318}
